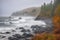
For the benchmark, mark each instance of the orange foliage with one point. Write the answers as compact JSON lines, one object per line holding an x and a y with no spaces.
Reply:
{"x":38,"y":37}
{"x":57,"y":36}
{"x":56,"y":33}
{"x":56,"y":20}
{"x":45,"y":37}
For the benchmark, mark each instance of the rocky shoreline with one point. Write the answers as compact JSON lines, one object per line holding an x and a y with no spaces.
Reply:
{"x":26,"y":32}
{"x":20,"y":33}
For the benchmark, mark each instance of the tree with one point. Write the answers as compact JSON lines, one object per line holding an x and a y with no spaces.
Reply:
{"x":56,"y":16}
{"x":45,"y":10}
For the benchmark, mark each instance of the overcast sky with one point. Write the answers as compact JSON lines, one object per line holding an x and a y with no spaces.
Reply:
{"x":7,"y":7}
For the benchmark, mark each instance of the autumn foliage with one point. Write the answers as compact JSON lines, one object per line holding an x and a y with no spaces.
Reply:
{"x":55,"y":35}
{"x":46,"y":36}
{"x":43,"y":36}
{"x":56,"y":20}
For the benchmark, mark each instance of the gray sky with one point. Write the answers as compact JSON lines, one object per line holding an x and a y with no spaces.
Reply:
{"x":7,"y":7}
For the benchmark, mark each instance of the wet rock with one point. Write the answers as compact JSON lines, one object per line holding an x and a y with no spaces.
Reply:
{"x":7,"y":32}
{"x":37,"y":29}
{"x":28,"y":38}
{"x":17,"y":36}
{"x":26,"y":35}
{"x":16,"y":28}
{"x":13,"y":31}
{"x":49,"y":29}
{"x":21,"y":28}
{"x":41,"y":29}
{"x":1,"y":36}
{"x":12,"y":38}
{"x":28,"y":30}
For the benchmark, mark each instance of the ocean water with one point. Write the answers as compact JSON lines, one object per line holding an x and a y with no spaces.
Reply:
{"x":25,"y":22}
{"x":3,"y":28}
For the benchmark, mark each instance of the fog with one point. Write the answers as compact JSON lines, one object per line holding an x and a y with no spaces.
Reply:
{"x":7,"y":7}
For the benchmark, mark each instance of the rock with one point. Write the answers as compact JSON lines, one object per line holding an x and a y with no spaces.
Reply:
{"x":16,"y":28}
{"x":27,"y":35}
{"x":21,"y":28}
{"x":13,"y":31}
{"x":1,"y":36}
{"x":38,"y":29}
{"x":12,"y":38}
{"x":7,"y":32}
{"x":17,"y":36}
{"x":41,"y":29}
{"x":49,"y":29}
{"x":27,"y":39}
{"x":35,"y":28}
{"x":28,"y":30}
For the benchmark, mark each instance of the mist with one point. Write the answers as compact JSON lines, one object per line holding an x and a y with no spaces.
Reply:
{"x":7,"y":7}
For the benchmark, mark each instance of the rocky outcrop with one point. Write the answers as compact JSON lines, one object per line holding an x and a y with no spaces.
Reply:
{"x":33,"y":11}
